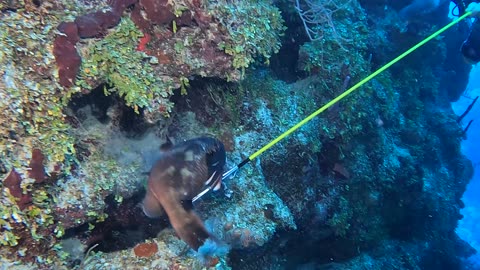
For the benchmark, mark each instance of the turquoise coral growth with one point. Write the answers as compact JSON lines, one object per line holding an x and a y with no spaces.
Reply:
{"x":255,"y":28}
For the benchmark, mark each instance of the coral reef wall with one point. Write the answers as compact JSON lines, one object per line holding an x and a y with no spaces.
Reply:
{"x":91,"y":89}
{"x":60,"y":163}
{"x":389,"y":164}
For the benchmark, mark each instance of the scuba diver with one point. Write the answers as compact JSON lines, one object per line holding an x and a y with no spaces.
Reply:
{"x":471,"y":46}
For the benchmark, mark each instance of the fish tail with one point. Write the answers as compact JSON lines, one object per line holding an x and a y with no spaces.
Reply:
{"x":188,"y":226}
{"x":191,"y":230}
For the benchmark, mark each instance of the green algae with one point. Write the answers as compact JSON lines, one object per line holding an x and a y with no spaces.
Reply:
{"x":258,"y":34}
{"x":115,"y":60}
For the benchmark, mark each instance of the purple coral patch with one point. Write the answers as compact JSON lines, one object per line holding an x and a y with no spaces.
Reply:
{"x":119,"y":6}
{"x":158,"y":12}
{"x":95,"y":24}
{"x":70,"y":30}
{"x":12,"y":182}
{"x":68,"y":60}
{"x":66,"y":55}
{"x":152,"y":12}
{"x":86,"y":26}
{"x":37,"y":170}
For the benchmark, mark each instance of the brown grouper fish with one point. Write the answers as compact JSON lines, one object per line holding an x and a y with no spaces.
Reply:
{"x":183,"y":171}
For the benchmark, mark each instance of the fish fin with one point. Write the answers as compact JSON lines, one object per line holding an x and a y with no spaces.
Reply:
{"x":216,"y":159}
{"x":217,"y":183}
{"x":187,"y":205}
{"x":167,"y":145}
{"x":210,"y":179}
{"x":188,"y":226}
{"x":191,"y":230}
{"x":212,"y":145}
{"x":151,"y":206}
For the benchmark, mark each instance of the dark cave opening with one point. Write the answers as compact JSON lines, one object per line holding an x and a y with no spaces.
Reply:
{"x":108,"y":109}
{"x":96,"y":99}
{"x":294,"y":249}
{"x":125,"y":224}
{"x":125,"y":227}
{"x":284,"y":64}
{"x":37,"y":3}
{"x":213,"y":101}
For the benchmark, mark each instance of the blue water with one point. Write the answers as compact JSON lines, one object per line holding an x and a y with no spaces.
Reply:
{"x":469,"y":226}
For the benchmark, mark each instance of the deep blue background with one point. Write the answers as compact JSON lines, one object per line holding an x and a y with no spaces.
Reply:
{"x":469,"y":227}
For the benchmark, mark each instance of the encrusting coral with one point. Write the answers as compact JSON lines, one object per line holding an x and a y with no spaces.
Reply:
{"x":56,"y":50}
{"x":82,"y":118}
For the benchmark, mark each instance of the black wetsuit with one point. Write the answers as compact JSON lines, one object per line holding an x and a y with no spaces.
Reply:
{"x":471,"y":47}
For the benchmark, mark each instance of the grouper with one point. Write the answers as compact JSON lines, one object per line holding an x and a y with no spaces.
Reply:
{"x":182,"y":172}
